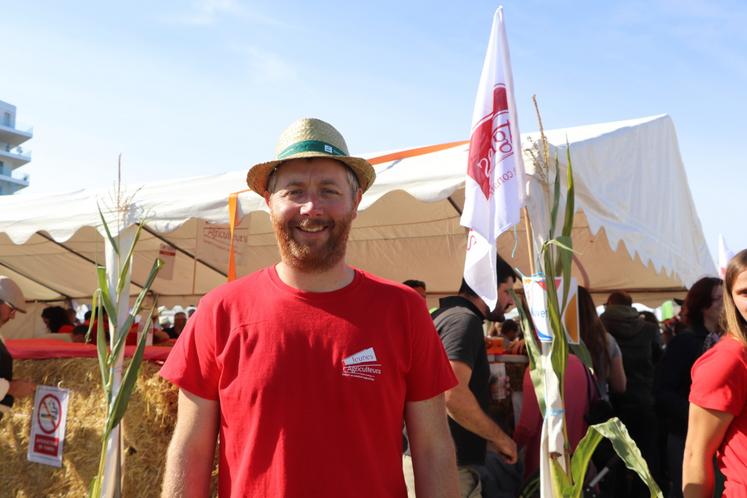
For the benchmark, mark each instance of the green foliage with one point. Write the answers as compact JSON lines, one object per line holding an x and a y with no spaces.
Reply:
{"x":556,"y":258}
{"x":108,"y":355}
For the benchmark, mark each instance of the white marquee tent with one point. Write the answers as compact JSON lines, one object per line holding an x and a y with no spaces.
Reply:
{"x":636,"y":225}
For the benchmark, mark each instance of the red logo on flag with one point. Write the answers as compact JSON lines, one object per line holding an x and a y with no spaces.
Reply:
{"x":490,"y":142}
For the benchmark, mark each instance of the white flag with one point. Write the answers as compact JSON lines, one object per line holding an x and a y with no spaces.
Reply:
{"x":495,"y":171}
{"x":724,"y":255}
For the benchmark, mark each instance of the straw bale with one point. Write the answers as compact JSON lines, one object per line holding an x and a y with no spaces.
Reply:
{"x":147,"y":429}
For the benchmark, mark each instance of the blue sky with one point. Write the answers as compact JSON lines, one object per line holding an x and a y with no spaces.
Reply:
{"x":187,"y":88}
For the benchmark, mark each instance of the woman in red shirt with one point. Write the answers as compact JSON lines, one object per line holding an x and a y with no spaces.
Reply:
{"x":718,"y":400}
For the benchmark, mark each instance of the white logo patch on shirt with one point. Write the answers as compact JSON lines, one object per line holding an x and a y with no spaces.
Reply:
{"x":362,"y":365}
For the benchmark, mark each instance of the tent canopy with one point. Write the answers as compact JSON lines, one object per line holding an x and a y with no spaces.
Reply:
{"x":636,"y":226}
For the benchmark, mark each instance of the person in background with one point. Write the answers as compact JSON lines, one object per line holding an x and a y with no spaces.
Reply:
{"x":57,"y":320}
{"x":72,"y":317}
{"x":180,"y":320}
{"x":717,"y":420}
{"x":701,"y":313}
{"x":605,"y":353}
{"x":609,"y":374}
{"x":418,"y":286}
{"x":529,"y":428}
{"x":11,"y":302}
{"x":638,"y":341}
{"x":459,"y":322}
{"x":509,"y":331}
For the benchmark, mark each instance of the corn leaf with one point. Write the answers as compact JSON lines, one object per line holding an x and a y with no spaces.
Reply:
{"x":129,"y":378}
{"x":125,"y":328}
{"x":581,"y":458}
{"x":106,"y":300}
{"x":624,"y":446}
{"x":559,"y":349}
{"x":128,"y":260}
{"x":565,"y":261}
{"x":555,"y":200}
{"x":101,"y":350}
{"x":561,"y":483}
{"x":109,"y":236}
{"x":536,"y":371}
{"x":570,"y":195}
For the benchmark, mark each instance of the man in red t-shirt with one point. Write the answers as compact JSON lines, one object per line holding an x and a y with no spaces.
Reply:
{"x":309,"y":368}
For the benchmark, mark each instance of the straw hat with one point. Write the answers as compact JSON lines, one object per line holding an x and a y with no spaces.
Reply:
{"x":11,"y":294}
{"x":305,"y":138}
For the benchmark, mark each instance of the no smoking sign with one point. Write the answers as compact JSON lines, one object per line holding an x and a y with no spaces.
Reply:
{"x":48,"y":425}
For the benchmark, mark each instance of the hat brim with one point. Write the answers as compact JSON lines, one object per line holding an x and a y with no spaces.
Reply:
{"x":258,"y":174}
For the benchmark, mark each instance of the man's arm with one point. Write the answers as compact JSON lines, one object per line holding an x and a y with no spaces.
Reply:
{"x":465,"y":410}
{"x":706,"y":429}
{"x":431,"y":447}
{"x":189,"y":460}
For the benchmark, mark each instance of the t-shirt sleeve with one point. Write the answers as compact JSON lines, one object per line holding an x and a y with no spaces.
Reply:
{"x":720,"y":381}
{"x":191,"y":365}
{"x":462,"y":337}
{"x":613,"y":348}
{"x":430,"y":373}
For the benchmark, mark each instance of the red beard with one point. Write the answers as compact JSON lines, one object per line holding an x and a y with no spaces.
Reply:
{"x":317,"y":257}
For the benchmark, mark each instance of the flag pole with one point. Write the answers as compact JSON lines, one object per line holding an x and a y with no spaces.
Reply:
{"x":530,"y":239}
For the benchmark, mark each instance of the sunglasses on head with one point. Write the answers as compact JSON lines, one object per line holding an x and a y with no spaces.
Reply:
{"x":12,"y":308}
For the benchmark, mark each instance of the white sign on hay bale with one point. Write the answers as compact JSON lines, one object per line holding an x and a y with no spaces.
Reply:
{"x":48,"y":425}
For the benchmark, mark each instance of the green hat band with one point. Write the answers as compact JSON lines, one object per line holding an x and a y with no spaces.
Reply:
{"x":311,"y":146}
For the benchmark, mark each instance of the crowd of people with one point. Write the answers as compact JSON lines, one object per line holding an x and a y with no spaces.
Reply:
{"x":324,"y":380}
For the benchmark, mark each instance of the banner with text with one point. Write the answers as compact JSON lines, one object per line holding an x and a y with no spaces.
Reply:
{"x":536,"y":294}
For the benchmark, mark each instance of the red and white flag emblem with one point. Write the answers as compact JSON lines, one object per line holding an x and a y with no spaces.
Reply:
{"x":494,"y":186}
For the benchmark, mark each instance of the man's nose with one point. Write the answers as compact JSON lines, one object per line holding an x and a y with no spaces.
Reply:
{"x":311,"y":205}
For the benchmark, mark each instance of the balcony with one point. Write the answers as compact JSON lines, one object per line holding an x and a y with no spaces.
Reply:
{"x":15,"y":136}
{"x":14,"y":157}
{"x":10,"y":184}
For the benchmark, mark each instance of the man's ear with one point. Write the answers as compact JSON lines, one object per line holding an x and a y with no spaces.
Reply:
{"x":357,"y":201}
{"x":266,"y":195}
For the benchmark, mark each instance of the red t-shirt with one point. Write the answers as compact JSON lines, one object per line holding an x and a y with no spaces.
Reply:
{"x":529,"y":429}
{"x":312,"y":386}
{"x":720,"y":383}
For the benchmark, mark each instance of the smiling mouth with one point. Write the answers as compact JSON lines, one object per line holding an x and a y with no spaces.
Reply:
{"x":311,"y":227}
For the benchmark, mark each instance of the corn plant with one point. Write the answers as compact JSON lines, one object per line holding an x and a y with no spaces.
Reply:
{"x":568,"y":471}
{"x":110,"y":352}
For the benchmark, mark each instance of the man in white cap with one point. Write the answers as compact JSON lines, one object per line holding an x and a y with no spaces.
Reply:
{"x":11,"y":301}
{"x":308,"y":368}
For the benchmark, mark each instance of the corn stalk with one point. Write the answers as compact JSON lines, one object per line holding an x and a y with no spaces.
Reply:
{"x":567,"y":471}
{"x":112,"y":298}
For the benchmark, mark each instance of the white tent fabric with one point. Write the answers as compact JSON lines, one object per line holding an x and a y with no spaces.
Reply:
{"x":636,"y":226}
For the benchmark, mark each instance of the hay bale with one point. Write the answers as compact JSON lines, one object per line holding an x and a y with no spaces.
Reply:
{"x":147,"y":429}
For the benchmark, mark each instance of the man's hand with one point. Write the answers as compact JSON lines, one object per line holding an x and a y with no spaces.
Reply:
{"x":465,"y":410}
{"x":21,"y":388}
{"x":506,"y":447}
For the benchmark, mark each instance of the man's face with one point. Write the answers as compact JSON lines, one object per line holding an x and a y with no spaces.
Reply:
{"x":180,"y":320}
{"x":505,"y":301}
{"x":311,"y":209}
{"x":7,"y":312}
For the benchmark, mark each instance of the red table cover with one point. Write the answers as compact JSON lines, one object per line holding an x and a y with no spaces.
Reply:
{"x":42,"y":349}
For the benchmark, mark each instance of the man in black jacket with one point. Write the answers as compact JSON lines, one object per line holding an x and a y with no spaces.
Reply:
{"x":639,"y":343}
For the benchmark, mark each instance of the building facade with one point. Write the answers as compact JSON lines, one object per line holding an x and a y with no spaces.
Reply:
{"x":12,"y":154}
